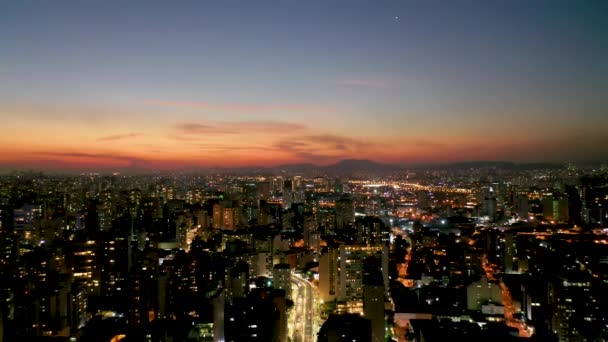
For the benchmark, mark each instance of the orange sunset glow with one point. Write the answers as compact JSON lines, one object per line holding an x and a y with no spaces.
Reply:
{"x":216,"y":87}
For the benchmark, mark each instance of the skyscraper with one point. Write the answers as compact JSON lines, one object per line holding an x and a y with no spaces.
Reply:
{"x":345,"y":213}
{"x":281,"y":278}
{"x":328,"y":274}
{"x":521,"y":204}
{"x":373,"y":296}
{"x":555,"y":208}
{"x":218,"y":216}
{"x":348,"y":327}
{"x":351,"y":272}
{"x":489,"y":202}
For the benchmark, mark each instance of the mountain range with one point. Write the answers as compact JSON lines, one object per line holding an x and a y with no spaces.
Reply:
{"x":340,"y":168}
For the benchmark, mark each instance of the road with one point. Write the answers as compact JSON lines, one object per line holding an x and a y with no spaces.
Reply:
{"x":402,"y":267}
{"x":304,"y":320}
{"x":402,"y":325}
{"x":507,"y":302}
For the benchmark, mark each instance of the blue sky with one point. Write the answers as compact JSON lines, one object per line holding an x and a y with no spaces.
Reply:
{"x":498,"y":73}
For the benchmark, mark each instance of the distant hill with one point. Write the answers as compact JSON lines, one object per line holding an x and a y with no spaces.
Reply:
{"x":361,"y":166}
{"x":481,"y":164}
{"x":347,"y":167}
{"x":505,"y":165}
{"x":344,"y":167}
{"x":295,"y":168}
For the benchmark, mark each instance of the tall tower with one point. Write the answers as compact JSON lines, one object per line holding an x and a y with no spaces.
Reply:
{"x":373,"y":296}
{"x":345,"y":213}
{"x":281,"y":275}
{"x":489,"y":202}
{"x":522,"y":206}
{"x":218,"y":217}
{"x":328,"y":274}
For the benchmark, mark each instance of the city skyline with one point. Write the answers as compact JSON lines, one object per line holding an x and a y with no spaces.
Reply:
{"x":231,"y":84}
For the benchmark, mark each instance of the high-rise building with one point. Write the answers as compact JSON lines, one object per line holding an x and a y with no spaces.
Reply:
{"x":288,"y":193}
{"x":345,"y":213}
{"x":261,"y":316}
{"x":312,"y":237}
{"x":281,"y":278}
{"x":237,"y":281}
{"x":594,"y":194}
{"x":555,"y":208}
{"x":260,"y":264}
{"x":279,"y":299}
{"x":489,"y":202}
{"x":338,"y":187}
{"x":104,"y":209}
{"x":287,"y":220}
{"x":570,"y":298}
{"x":143,"y":292}
{"x":373,"y":206}
{"x":328,"y":274}
{"x":24,"y":217}
{"x":218,"y":216}
{"x":202,"y":218}
{"x":348,"y":327}
{"x":219,"y":304}
{"x":510,"y":251}
{"x":264,"y":190}
{"x":78,"y":300}
{"x":373,"y":297}
{"x":371,"y":230}
{"x":482,"y":292}
{"x":86,"y":268}
{"x":574,"y":205}
{"x":297,"y":183}
{"x":24,"y":220}
{"x":9,"y":249}
{"x":351,"y":272}
{"x":521,"y":206}
{"x":114,"y":272}
{"x":231,"y":218}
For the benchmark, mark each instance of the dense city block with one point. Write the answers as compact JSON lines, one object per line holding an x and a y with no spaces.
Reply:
{"x":467,"y":252}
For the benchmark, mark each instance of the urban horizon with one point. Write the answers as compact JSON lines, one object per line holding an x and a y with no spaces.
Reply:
{"x":345,"y":166}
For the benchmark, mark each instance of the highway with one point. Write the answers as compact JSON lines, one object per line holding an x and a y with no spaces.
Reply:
{"x":304,"y":320}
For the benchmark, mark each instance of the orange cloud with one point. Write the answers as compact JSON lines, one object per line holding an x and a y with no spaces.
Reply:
{"x":241,"y":107}
{"x":270,"y":140}
{"x":239,"y":127}
{"x":264,"y":143}
{"x":196,"y":129}
{"x":119,"y":136}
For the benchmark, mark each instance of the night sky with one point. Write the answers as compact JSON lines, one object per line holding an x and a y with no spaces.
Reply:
{"x":171,"y":84}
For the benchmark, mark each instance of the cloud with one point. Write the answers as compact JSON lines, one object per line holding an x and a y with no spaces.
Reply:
{"x":322,"y":147}
{"x":293,"y":141}
{"x":196,"y":129}
{"x":75,"y":160}
{"x":271,"y":126}
{"x":241,"y":107}
{"x":336,"y":142}
{"x":232,"y":149}
{"x":89,"y":156}
{"x":363,"y":83}
{"x":426,"y":143}
{"x":190,"y":131}
{"x":119,"y":137}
